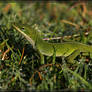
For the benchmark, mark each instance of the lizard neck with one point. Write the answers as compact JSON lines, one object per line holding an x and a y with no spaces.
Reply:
{"x":38,"y":40}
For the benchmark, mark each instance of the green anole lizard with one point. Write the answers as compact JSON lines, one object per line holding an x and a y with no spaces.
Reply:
{"x":70,"y":50}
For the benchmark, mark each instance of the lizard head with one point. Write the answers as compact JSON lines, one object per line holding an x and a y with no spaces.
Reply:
{"x":28,"y":31}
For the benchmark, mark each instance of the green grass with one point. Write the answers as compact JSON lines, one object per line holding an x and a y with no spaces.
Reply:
{"x":20,"y":67}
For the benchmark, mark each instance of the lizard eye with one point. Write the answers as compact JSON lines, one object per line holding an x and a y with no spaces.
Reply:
{"x":23,"y":28}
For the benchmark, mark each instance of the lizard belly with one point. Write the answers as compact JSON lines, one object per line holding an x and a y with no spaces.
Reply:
{"x":59,"y":52}
{"x":58,"y":49}
{"x":48,"y":51}
{"x":65,"y":52}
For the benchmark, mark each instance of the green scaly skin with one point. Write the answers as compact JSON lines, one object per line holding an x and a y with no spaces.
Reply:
{"x":67,"y":49}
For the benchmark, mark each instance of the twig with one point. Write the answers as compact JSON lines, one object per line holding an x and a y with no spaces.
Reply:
{"x":84,"y":13}
{"x":84,"y":9}
{"x":7,"y":7}
{"x":39,"y":75}
{"x":32,"y":77}
{"x":21,"y":56}
{"x":46,"y":65}
{"x":76,"y":4}
{"x":71,"y":23}
{"x":83,"y":4}
{"x":12,"y":79}
{"x":53,"y":38}
{"x":57,"y":38}
{"x":4,"y":55}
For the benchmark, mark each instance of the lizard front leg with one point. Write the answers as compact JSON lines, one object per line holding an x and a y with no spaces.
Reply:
{"x":70,"y":58}
{"x":54,"y":55}
{"x":42,"y":58}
